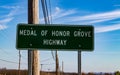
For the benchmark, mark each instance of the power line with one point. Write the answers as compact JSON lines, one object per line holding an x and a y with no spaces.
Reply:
{"x":50,"y":18}
{"x":7,"y":60}
{"x":5,"y":36}
{"x":50,"y":11}
{"x":4,"y":51}
{"x":44,"y":11}
{"x":46,"y":59}
{"x":47,"y":12}
{"x":18,"y":63}
{"x":9,"y":53}
{"x":46,"y":15}
{"x":10,"y":61}
{"x":48,"y":64}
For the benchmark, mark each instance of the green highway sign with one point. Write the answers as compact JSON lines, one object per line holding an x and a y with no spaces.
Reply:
{"x":55,"y":36}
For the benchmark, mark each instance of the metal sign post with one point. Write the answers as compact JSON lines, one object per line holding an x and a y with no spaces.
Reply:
{"x":30,"y":62}
{"x":79,"y":63}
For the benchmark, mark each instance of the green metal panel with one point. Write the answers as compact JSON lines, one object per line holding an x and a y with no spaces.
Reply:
{"x":55,"y":36}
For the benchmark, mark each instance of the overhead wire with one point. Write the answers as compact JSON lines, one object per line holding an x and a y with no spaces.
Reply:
{"x":44,"y":11}
{"x":46,"y":59}
{"x":47,"y":18}
{"x":51,"y":23}
{"x":50,"y":18}
{"x":7,"y":60}
{"x":50,"y":11}
{"x":18,"y":63}
{"x":48,"y":64}
{"x":10,"y":61}
{"x":1,"y":49}
{"x":47,"y":13}
{"x":4,"y":35}
{"x":4,"y":51}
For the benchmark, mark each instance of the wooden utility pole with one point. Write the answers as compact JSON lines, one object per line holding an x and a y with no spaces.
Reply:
{"x":33,"y":55}
{"x":57,"y":64}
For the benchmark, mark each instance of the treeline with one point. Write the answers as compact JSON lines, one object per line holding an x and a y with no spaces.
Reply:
{"x":25,"y":72}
